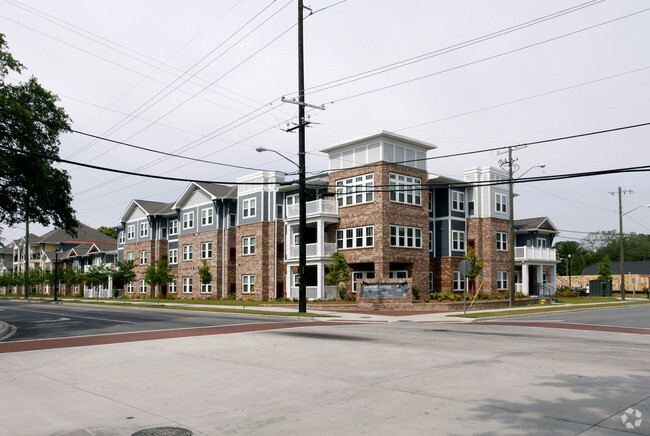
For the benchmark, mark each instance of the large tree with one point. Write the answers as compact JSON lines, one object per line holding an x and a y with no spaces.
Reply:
{"x":31,"y":188}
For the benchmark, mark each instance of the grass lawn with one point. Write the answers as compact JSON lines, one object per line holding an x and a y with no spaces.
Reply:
{"x":541,"y":309}
{"x":585,"y":300}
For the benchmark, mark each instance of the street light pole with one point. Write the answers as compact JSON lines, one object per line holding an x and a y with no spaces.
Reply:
{"x":569,"y":270}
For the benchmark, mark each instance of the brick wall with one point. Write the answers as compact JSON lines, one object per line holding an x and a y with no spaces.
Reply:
{"x":484,"y":233}
{"x":263,"y":262}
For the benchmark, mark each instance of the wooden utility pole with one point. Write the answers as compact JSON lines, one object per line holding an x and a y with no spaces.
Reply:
{"x":511,"y":218}
{"x":302,"y":224}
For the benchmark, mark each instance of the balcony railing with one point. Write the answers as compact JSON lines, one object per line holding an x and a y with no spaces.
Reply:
{"x":313,"y":250}
{"x":329,"y":292}
{"x":317,"y":207}
{"x":534,"y":254}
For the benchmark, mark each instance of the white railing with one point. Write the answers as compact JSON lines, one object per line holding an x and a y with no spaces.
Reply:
{"x":317,"y":207}
{"x":329,"y":292}
{"x":313,"y":250}
{"x":534,"y":253}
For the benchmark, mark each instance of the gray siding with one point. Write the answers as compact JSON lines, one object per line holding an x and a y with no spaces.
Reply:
{"x":258,"y":212}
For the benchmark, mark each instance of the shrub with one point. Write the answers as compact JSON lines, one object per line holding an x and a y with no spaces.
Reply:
{"x":567,"y":293}
{"x":495,"y":295}
{"x":444,"y":295}
{"x":416,"y":292}
{"x":342,"y":293}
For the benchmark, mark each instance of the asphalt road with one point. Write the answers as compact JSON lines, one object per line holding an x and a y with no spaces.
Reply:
{"x":49,"y":320}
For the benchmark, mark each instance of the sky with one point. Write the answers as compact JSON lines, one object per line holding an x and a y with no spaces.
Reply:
{"x":206,"y":79}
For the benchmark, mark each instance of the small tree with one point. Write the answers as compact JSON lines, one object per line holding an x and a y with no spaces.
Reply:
{"x":122,"y":275}
{"x":158,"y":274}
{"x":604,"y":271}
{"x":97,"y":275}
{"x":204,"y":274}
{"x":477,"y":264}
{"x":338,"y":272}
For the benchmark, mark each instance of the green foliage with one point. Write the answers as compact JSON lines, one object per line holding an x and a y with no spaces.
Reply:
{"x":123,"y":273}
{"x":604,"y":271}
{"x":97,"y":275}
{"x":337,"y":272}
{"x":342,"y":292}
{"x":205,"y":274}
{"x":566,"y":292}
{"x":444,"y":295}
{"x":477,"y":264}
{"x":416,"y":292}
{"x":31,"y":188}
{"x":108,"y":231}
{"x":158,"y":274}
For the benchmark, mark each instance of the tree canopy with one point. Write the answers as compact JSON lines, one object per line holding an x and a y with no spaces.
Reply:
{"x":31,"y":188}
{"x":108,"y":231}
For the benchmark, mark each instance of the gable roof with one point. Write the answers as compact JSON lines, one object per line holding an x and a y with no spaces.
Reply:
{"x":631,"y":267}
{"x":84,"y":234}
{"x":150,"y":208}
{"x":213,"y":191}
{"x":542,"y":224}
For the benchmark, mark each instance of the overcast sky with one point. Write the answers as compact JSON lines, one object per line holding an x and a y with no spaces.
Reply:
{"x":204,"y":79}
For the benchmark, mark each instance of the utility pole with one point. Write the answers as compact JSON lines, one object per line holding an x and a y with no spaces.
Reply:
{"x":302,"y":224}
{"x":620,"y":235}
{"x":26,"y":253}
{"x":511,"y":219}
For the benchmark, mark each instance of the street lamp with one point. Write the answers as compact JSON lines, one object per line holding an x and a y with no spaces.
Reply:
{"x":620,"y":238}
{"x":569,"y":270}
{"x":302,"y":228}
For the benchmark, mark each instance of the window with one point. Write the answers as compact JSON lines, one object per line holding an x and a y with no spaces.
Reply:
{"x":398,"y":274}
{"x":187,"y":285}
{"x":173,"y":227}
{"x":163,"y":232}
{"x":458,"y":201}
{"x":143,"y":258}
{"x":130,"y":256}
{"x":206,"y":288}
{"x":129,"y":287}
{"x":430,"y":241}
{"x":248,"y":245}
{"x":502,"y":280}
{"x":143,"y":286}
{"x":188,"y":252}
{"x":206,"y":250}
{"x":173,"y":255}
{"x":293,"y":199}
{"x":173,"y":286}
{"x":431,"y":281}
{"x":501,"y":203}
{"x":430,"y":201}
{"x":457,"y":240}
{"x":459,"y":282}
{"x":121,"y":240}
{"x":248,"y":282}
{"x":188,"y":220}
{"x":144,"y":230}
{"x":405,"y":189}
{"x":502,"y":241}
{"x":357,"y":237}
{"x":405,"y":237}
{"x":355,"y":190}
{"x":541,"y":242}
{"x":233,"y":220}
{"x":248,"y":208}
{"x":360,"y":275}
{"x":130,"y":231}
{"x":206,"y":216}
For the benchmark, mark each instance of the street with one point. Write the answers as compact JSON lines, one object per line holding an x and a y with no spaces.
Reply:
{"x":479,"y":378}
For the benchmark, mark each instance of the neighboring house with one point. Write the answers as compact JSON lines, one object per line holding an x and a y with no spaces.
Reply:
{"x":637,"y":275}
{"x":89,"y":247}
{"x":377,"y":206}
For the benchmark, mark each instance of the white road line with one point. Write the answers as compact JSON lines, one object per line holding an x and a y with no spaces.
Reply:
{"x":73,"y":316}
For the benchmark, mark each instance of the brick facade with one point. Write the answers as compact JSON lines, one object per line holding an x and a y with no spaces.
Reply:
{"x":268,"y":256}
{"x":483,"y":233}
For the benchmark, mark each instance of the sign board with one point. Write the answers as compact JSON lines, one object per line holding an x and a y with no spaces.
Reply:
{"x":384,"y":290}
{"x":464,"y":268}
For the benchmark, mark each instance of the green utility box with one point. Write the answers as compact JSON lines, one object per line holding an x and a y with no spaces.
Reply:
{"x":600,"y":288}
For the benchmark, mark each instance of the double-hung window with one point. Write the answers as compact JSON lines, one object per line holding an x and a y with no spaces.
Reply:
{"x":249,"y":208}
{"x":502,"y":280}
{"x":457,"y":240}
{"x":206,"y":216}
{"x":502,"y":241}
{"x":188,"y":252}
{"x":187,"y":285}
{"x":173,"y":227}
{"x":409,"y":237}
{"x":121,"y":240}
{"x":206,"y":288}
{"x":501,"y":203}
{"x":188,"y":220}
{"x":173,"y":286}
{"x":206,"y":250}
{"x":457,"y":201}
{"x":130,"y":231}
{"x":356,"y":237}
{"x":144,"y":230}
{"x":355,"y":190}
{"x":143,"y":286}
{"x":405,"y":189}
{"x":459,"y":282}
{"x":143,"y":257}
{"x":129,"y":287}
{"x":248,"y":245}
{"x":173,"y":256}
{"x":247,"y":282}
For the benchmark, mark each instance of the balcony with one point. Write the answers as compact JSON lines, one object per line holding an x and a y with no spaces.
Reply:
{"x":314,"y":208}
{"x":534,"y":254}
{"x":313,"y":250}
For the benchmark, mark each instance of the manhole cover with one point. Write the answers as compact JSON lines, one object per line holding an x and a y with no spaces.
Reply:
{"x":163,"y":431}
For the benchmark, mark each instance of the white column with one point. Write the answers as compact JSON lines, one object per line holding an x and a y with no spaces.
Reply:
{"x":320,"y":292}
{"x":540,"y":273}
{"x":320,"y":240}
{"x":524,"y":278}
{"x":553,"y":280}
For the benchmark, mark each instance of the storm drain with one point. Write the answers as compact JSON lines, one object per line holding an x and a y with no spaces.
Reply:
{"x":163,"y":431}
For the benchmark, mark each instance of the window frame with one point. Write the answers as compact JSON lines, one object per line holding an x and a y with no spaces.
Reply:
{"x":173,"y":256}
{"x":355,"y":190}
{"x":173,"y":227}
{"x":502,"y":280}
{"x":130,"y":231}
{"x":143,"y":257}
{"x":502,"y":241}
{"x":458,"y":281}
{"x":129,"y":287}
{"x":173,"y":286}
{"x":248,"y":245}
{"x":348,"y":238}
{"x":399,"y":236}
{"x":247,"y":283}
{"x":187,"y":285}
{"x":456,"y":241}
{"x":143,"y":285}
{"x":144,"y":230}
{"x":405,"y":189}
{"x":249,"y":208}
{"x":207,"y":216}
{"x":457,"y":204}
{"x":188,"y":252}
{"x":501,"y":203}
{"x":188,"y":220}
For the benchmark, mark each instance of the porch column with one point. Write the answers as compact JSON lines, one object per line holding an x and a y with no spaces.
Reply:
{"x":540,"y":273}
{"x":320,"y":241}
{"x":524,"y":278}
{"x":287,"y":280}
{"x":553,"y":280}
{"x":320,"y":290}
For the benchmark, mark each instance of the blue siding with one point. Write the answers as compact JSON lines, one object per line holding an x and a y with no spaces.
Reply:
{"x":459,"y":226}
{"x":197,"y":217}
{"x":258,"y":212}
{"x":441,"y":239}
{"x":441,"y":199}
{"x":200,"y":226}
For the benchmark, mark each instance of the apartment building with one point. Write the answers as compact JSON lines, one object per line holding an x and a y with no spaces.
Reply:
{"x":377,"y":206}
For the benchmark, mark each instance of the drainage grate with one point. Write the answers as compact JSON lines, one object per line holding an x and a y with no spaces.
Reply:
{"x":163,"y":431}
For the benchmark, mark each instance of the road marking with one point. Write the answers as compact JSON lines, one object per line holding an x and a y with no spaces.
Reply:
{"x":74,"y":316}
{"x":51,"y":320}
{"x":129,"y":312}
